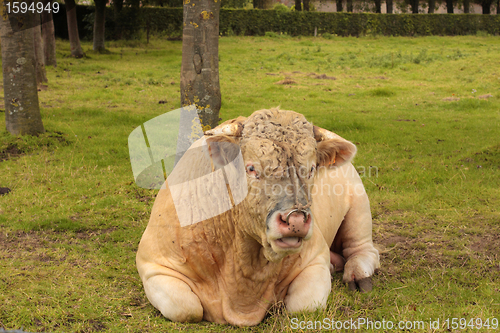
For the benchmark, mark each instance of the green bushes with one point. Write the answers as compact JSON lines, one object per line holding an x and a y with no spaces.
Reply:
{"x":258,"y":22}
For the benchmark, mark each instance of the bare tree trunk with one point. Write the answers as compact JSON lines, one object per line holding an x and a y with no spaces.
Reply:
{"x":449,"y":6}
{"x":298,"y":5}
{"x":22,"y":113}
{"x":99,"y":21}
{"x":306,"y":5}
{"x":389,"y":7}
{"x":378,"y":6}
{"x":258,"y":4}
{"x":498,"y":7}
{"x":339,"y":6}
{"x":200,"y":60}
{"x":466,"y":7}
{"x":74,"y":39}
{"x":486,"y":4}
{"x":432,"y":6}
{"x":414,"y":6}
{"x":349,"y":6}
{"x":49,"y":39}
{"x":41,"y":75}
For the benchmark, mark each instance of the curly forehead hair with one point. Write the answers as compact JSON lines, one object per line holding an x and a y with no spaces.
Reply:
{"x":281,"y":126}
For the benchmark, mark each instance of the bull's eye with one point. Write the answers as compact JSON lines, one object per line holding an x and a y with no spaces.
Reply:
{"x":251,"y":171}
{"x":311,"y":173}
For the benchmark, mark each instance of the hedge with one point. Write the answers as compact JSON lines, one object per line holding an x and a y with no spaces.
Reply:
{"x":251,"y":22}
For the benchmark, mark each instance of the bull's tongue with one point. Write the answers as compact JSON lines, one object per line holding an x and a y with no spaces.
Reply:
{"x":290,"y":241}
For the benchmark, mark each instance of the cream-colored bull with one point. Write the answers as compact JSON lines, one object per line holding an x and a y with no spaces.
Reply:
{"x":274,"y":245}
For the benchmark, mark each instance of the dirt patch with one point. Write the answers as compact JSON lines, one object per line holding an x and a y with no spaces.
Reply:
{"x":286,"y":81}
{"x":324,"y":77}
{"x":484,"y":244}
{"x":37,"y":245}
{"x":11,"y":151}
{"x":485,"y":96}
{"x":489,"y":157}
{"x":451,"y":99}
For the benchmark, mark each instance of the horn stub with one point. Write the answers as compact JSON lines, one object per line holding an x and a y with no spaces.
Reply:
{"x":233,"y":129}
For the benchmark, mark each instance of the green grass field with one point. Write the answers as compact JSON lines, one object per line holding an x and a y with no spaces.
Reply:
{"x":423,"y":112}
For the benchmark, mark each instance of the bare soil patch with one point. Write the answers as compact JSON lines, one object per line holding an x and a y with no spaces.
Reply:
{"x":286,"y":81}
{"x":11,"y":151}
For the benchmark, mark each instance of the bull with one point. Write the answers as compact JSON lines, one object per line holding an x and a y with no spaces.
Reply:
{"x":305,"y":215}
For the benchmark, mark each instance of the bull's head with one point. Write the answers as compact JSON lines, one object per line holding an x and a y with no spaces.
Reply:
{"x":282,"y":152}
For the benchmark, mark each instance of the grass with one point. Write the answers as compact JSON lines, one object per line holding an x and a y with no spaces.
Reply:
{"x":428,"y":153}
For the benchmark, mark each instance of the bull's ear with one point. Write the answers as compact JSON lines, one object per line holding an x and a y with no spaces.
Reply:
{"x":335,"y":152}
{"x":222,"y":149}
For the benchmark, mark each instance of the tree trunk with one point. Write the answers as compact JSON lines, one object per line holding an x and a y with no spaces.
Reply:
{"x":432,"y":6}
{"x":200,"y":60}
{"x":498,"y":7}
{"x":389,"y":6}
{"x":466,"y":7}
{"x":49,"y":39}
{"x":449,"y":6}
{"x":414,"y":6}
{"x":258,"y":4}
{"x":22,"y":113}
{"x":74,"y":39}
{"x":339,"y":6}
{"x":41,"y":75}
{"x":306,"y":5}
{"x":486,"y":4}
{"x":349,"y":6}
{"x":298,"y":5}
{"x":100,"y":7}
{"x":378,"y":6}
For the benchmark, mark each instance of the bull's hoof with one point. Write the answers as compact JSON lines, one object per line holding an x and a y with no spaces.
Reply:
{"x":364,"y":285}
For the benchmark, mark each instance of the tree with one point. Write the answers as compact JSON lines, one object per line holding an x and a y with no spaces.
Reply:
{"x":486,"y":5}
{"x":41,"y":75}
{"x":449,"y":6}
{"x":200,"y":60}
{"x":302,"y":5}
{"x":99,"y":21}
{"x":49,"y":38}
{"x":22,"y":112}
{"x":258,"y":4}
{"x":339,"y":6}
{"x":389,"y":6}
{"x":414,"y":6}
{"x":350,"y":6}
{"x":432,"y":6}
{"x":378,"y":6}
{"x":74,"y":39}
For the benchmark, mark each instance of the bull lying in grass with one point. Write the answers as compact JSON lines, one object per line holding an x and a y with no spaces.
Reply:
{"x":306,"y":214}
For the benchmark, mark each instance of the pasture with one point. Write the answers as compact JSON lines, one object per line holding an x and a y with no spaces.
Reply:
{"x":423,"y":112}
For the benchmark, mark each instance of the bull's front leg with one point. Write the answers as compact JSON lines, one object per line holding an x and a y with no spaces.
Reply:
{"x":174,"y":298}
{"x":310,"y":289}
{"x":354,"y":238}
